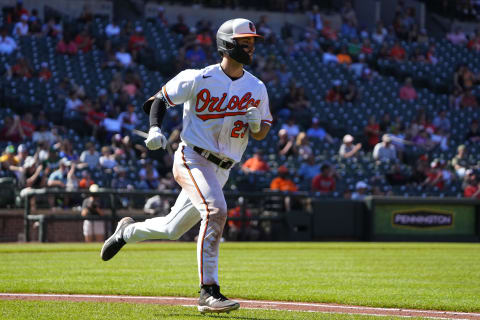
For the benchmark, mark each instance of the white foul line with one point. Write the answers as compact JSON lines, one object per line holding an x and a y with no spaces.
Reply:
{"x":193,"y":302}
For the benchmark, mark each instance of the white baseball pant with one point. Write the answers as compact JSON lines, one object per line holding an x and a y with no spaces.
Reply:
{"x":201,"y":198}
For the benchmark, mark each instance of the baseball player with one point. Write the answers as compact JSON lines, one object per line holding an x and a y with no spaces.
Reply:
{"x":223,"y":106}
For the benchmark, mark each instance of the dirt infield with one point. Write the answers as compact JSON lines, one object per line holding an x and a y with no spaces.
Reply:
{"x":250,"y":304}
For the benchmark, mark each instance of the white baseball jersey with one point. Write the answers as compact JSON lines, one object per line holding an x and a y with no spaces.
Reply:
{"x":215,"y":107}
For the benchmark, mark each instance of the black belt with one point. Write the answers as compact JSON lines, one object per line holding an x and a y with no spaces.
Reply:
{"x":224,"y":164}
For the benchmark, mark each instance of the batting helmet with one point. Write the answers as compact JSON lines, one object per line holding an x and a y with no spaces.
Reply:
{"x":231,"y":30}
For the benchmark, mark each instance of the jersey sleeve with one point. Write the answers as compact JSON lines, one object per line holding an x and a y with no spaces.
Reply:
{"x":180,"y":88}
{"x":264,"y":107}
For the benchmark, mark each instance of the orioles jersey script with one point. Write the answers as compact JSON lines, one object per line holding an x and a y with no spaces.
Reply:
{"x":215,"y":107}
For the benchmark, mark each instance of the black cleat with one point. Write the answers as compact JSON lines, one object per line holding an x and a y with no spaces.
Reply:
{"x":212,"y":301}
{"x":115,"y":242}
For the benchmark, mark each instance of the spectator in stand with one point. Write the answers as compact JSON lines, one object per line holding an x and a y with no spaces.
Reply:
{"x":469,"y":100}
{"x":335,"y":93}
{"x":121,"y":181}
{"x":90,"y":156}
{"x":464,"y":78}
{"x":431,"y":55}
{"x":361,"y":189}
{"x":52,"y":28}
{"x":22,"y":154}
{"x":351,"y":93}
{"x":116,"y":84}
{"x":473,"y":135}
{"x":18,"y":11}
{"x":397,"y":52}
{"x":317,"y":132}
{"x":291,"y":128}
{"x":328,"y":32}
{"x":435,"y":176}
{"x":472,"y":186}
{"x":180,"y":27}
{"x":73,"y":106}
{"x":130,"y":88}
{"x":8,"y":157}
{"x":84,"y":41}
{"x":107,"y":159}
{"x":407,"y":91}
{"x":204,"y":39}
{"x":113,"y":33}
{"x":302,"y":146}
{"x":27,"y":125}
{"x":396,"y":176}
{"x":284,"y":76}
{"x":329,"y":56}
{"x":44,"y":74}
{"x":137,"y":44}
{"x":308,"y":170}
{"x":128,"y":119}
{"x":35,"y":177}
{"x":348,"y":149}
{"x":457,"y":36}
{"x":7,"y":44}
{"x":282,"y":182}
{"x":285,"y":144}
{"x":196,"y":56}
{"x":86,"y":16}
{"x":264,"y":29}
{"x":149,"y":177}
{"x":67,"y":45}
{"x":86,"y":180}
{"x":160,"y":19}
{"x":441,"y":122}
{"x":44,"y":134}
{"x":372,"y":132}
{"x":418,"y":56}
{"x":21,"y":69}
{"x":359,"y":66}
{"x":385,"y":123}
{"x":324,"y":182}
{"x":413,"y":33}
{"x":385,"y":151}
{"x":21,"y":27}
{"x":256,"y":163}
{"x":343,"y":57}
{"x":12,"y":130}
{"x":348,"y":13}
{"x":94,"y":119}
{"x":112,"y":30}
{"x":241,"y":229}
{"x":309,"y":45}
{"x":474,"y":42}
{"x":367,"y":47}
{"x":58,"y":178}
{"x":93,"y":230}
{"x":349,"y":29}
{"x":354,"y":48}
{"x":316,"y":17}
{"x":460,"y":163}
{"x":380,"y":33}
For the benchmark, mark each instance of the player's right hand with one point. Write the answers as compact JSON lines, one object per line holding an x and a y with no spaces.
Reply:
{"x":155,"y":139}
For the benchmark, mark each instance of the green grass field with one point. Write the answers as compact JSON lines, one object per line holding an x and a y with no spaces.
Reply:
{"x":405,"y":275}
{"x":55,"y":310}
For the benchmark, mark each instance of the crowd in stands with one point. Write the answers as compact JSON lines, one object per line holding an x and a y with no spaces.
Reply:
{"x":43,"y":152}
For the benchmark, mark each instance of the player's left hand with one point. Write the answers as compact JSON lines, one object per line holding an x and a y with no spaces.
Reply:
{"x":254,"y":119}
{"x":155,"y":139}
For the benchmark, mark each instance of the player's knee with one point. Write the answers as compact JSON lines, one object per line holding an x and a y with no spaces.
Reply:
{"x":222,"y":209}
{"x":173,"y":234}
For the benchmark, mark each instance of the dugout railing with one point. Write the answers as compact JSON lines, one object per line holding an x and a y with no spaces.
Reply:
{"x":268,"y":208}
